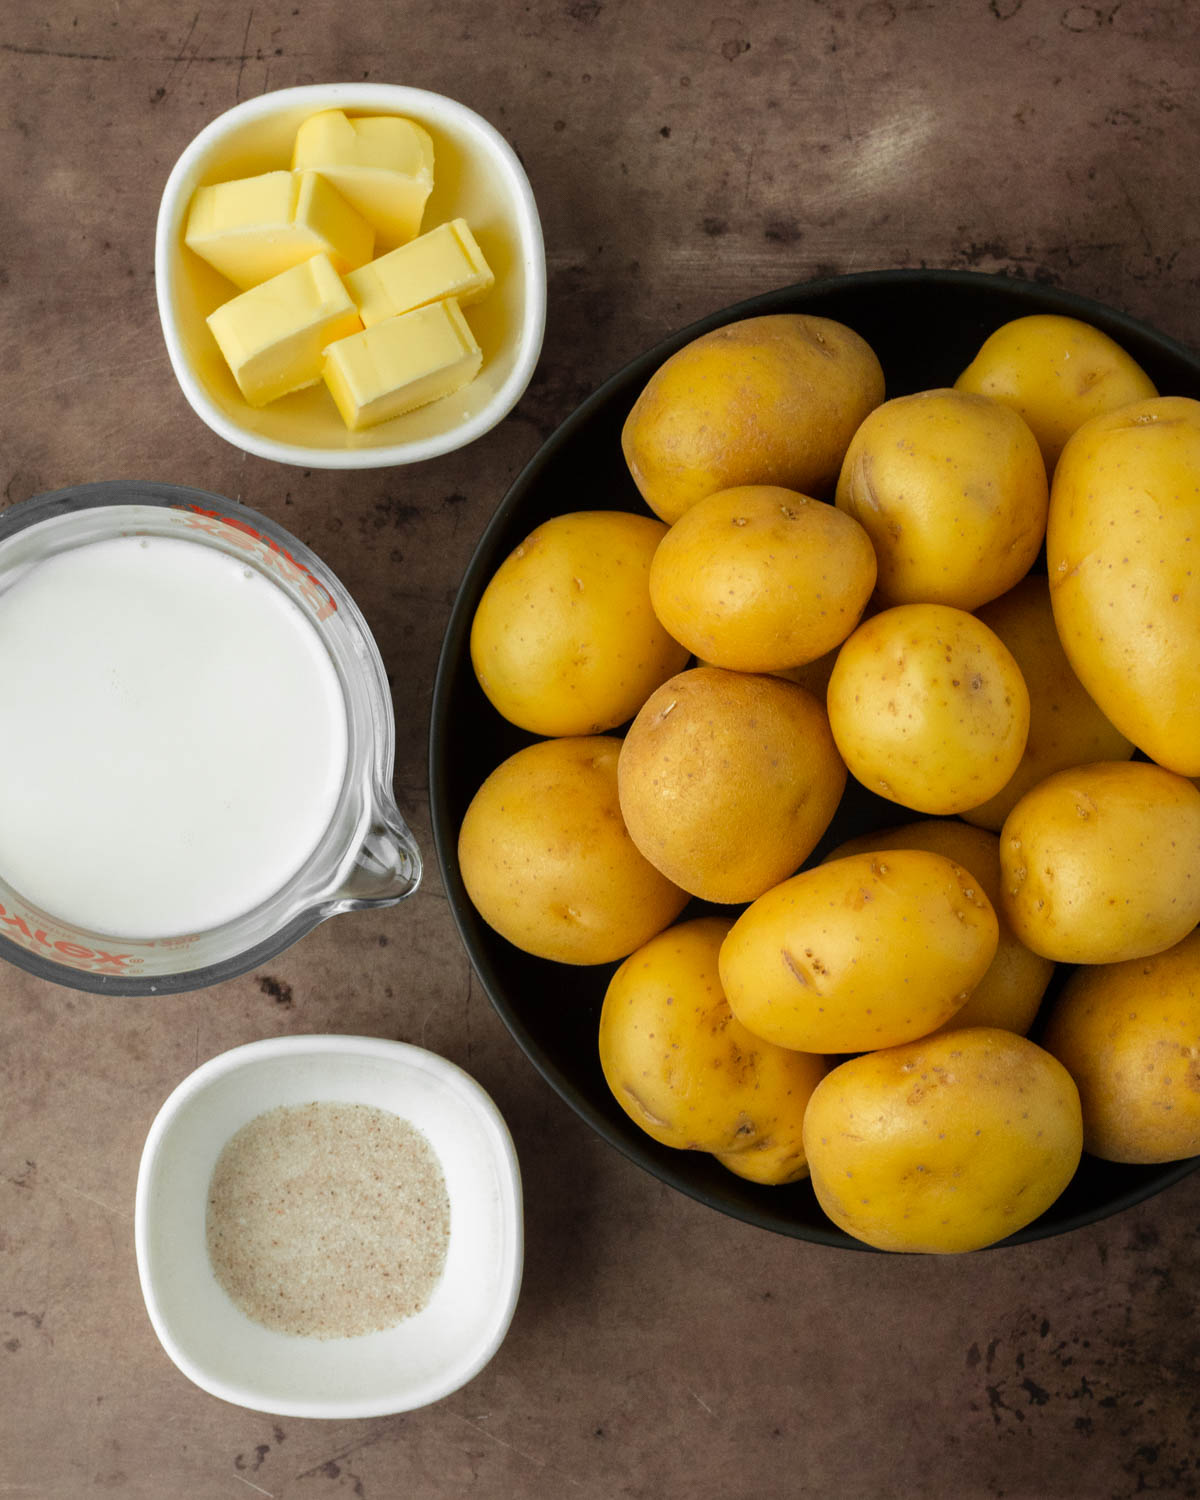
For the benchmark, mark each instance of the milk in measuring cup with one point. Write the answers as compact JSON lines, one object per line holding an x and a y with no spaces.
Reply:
{"x":173,"y":737}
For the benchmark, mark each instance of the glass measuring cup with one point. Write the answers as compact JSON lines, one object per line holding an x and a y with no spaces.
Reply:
{"x":366,"y":856}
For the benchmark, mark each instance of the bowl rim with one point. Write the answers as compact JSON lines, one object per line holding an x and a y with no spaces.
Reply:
{"x":394,"y":1054}
{"x":396,"y":98}
{"x":445,"y":835}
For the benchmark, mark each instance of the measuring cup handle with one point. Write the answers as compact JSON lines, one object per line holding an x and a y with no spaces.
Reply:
{"x":387,"y":867}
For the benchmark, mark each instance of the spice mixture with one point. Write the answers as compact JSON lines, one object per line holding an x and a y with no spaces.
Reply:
{"x":328,"y":1219}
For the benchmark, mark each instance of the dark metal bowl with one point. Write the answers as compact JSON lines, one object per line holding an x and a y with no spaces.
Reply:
{"x":925,"y":326}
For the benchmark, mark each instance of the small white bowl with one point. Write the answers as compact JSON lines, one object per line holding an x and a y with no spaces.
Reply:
{"x":417,"y":1361}
{"x":476,"y":176}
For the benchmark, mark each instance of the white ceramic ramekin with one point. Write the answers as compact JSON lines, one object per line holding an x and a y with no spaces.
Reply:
{"x":417,"y":1361}
{"x":476,"y":176}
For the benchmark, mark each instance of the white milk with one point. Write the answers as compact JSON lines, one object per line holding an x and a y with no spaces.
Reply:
{"x":172,"y":737}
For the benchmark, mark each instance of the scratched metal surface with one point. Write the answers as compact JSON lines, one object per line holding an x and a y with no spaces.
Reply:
{"x":683,"y":157}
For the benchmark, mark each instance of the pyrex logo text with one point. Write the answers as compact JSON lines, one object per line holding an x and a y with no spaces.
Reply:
{"x":76,"y":955}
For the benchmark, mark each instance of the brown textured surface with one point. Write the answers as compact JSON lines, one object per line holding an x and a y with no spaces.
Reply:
{"x":683,"y":157}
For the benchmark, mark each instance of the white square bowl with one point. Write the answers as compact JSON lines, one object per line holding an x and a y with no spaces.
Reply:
{"x":417,"y":1361}
{"x":476,"y":176}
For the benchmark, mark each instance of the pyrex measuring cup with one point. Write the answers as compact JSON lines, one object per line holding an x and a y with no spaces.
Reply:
{"x":365,"y":857}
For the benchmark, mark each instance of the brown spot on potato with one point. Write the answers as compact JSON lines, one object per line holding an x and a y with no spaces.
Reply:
{"x":641,"y":1107}
{"x":796,"y":968}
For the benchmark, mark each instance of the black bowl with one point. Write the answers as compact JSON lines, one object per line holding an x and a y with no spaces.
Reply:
{"x":925,"y":327}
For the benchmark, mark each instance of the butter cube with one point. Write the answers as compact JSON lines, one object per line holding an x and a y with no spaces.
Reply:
{"x":274,"y":336}
{"x":445,"y":262}
{"x":382,"y":164}
{"x":255,"y":227}
{"x":402,"y":363}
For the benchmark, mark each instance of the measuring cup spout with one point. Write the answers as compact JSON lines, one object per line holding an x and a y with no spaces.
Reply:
{"x":387,"y":867}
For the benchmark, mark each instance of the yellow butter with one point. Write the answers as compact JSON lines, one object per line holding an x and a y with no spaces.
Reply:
{"x":444,"y":262}
{"x":402,"y":363}
{"x":382,"y":164}
{"x":253,"y":228}
{"x":273,"y":336}
{"x":342,"y":232}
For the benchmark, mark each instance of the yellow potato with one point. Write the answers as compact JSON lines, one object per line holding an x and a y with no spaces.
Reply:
{"x":928,"y":708}
{"x":1065,"y":726}
{"x":1129,"y":1035}
{"x":781,"y":1160}
{"x":1123,"y":550}
{"x":1010,"y":992}
{"x":759,"y":578}
{"x":1102,"y":863}
{"x":951,"y":489}
{"x":548,"y":863}
{"x":945,"y":1145}
{"x":684,"y":1070}
{"x":812,"y":675}
{"x":565,"y":640}
{"x":866,"y":952}
{"x":815,"y":675}
{"x":727,"y":781}
{"x":767,"y":400}
{"x":1058,"y":373}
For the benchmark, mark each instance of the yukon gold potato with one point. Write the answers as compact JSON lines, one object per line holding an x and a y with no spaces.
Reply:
{"x":928,"y":708}
{"x":767,"y":400}
{"x":865,"y":952}
{"x":688,"y":1073}
{"x":944,"y":1145}
{"x":1101,"y":863}
{"x":1123,"y":550}
{"x":1065,"y":726}
{"x":565,"y":640}
{"x":1058,"y":373}
{"x":780,"y":1161}
{"x":812,"y":675}
{"x":759,"y":578}
{"x":548,"y":863}
{"x":1010,"y":992}
{"x":728,"y":780}
{"x":1129,"y":1035}
{"x":952,"y":491}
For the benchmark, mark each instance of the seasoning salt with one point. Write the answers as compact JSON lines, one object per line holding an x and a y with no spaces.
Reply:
{"x":328,"y":1219}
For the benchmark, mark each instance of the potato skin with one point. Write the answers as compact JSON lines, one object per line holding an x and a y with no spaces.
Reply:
{"x":565,"y":640}
{"x":1129,"y":1035}
{"x":549,"y":864}
{"x":758,"y":578}
{"x":1123,"y":554}
{"x":727,"y":781}
{"x":685,"y":1070}
{"x":780,"y":1161}
{"x":945,"y":1145}
{"x":952,"y":490}
{"x":1101,"y":863}
{"x":766,"y":400}
{"x":1010,"y":992}
{"x":1058,"y":373}
{"x":1065,"y":727}
{"x":865,"y":952}
{"x":928,"y":708}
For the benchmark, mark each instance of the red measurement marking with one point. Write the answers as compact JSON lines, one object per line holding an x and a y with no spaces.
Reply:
{"x":311,"y":589}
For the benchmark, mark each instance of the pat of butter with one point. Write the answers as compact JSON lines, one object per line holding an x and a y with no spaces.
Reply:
{"x":274,"y":336}
{"x":255,"y":227}
{"x":445,"y":262}
{"x":402,"y":363}
{"x":382,"y":164}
